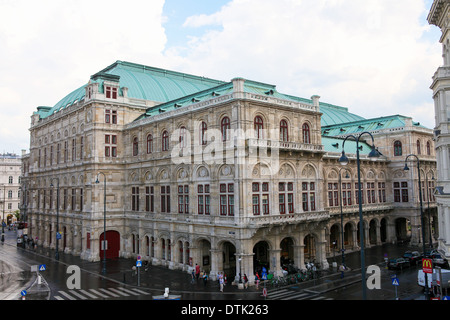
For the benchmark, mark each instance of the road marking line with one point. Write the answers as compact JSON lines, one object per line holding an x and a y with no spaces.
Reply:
{"x":88,"y":294}
{"x":67,"y":295}
{"x":108,"y":292}
{"x":78,"y":295}
{"x":99,"y":293}
{"x":140,"y":291}
{"x":119,"y":292}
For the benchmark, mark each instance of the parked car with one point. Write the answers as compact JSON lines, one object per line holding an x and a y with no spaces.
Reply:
{"x":414,"y":257}
{"x":438,"y":260}
{"x":398,"y":263}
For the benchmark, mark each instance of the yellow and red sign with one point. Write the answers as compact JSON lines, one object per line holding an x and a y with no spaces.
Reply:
{"x":427,"y":265}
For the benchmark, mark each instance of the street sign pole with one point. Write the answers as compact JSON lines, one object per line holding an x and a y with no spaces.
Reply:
{"x":395,"y":283}
{"x":138,"y":266}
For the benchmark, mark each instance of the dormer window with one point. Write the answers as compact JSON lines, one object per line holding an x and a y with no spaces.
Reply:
{"x":111,"y":92}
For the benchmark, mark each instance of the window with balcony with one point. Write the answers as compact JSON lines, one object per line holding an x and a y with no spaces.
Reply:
{"x":284,"y":131}
{"x":259,"y":127}
{"x":306,"y":133}
{"x":225,"y":128}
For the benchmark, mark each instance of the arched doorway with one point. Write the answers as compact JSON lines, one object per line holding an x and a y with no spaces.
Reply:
{"x":335,"y":239}
{"x":402,"y":229}
{"x":112,"y":244}
{"x":383,"y":230}
{"x":229,"y":260}
{"x":287,"y":251}
{"x":373,"y":232}
{"x":261,"y":256}
{"x":310,"y":248}
{"x":348,"y":235}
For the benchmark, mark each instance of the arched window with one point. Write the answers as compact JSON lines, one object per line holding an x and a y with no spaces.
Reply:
{"x":397,"y":148}
{"x":203,"y":129}
{"x":135,"y":146}
{"x":165,"y":141}
{"x":149,"y":143}
{"x":418,"y":146}
{"x":259,"y":126}
{"x":182,"y":138}
{"x":428,"y":148}
{"x":306,"y":133}
{"x":225,"y":126}
{"x":284,"y":131}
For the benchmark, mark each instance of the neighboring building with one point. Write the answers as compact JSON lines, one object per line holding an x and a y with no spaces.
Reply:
{"x":228,"y":175}
{"x":10,"y":172}
{"x":439,"y":16}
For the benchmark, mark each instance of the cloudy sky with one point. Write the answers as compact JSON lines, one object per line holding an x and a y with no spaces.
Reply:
{"x":375,"y":57}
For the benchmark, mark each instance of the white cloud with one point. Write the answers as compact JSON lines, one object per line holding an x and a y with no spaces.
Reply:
{"x":370,"y":56}
{"x":48,"y":48}
{"x":367,"y":55}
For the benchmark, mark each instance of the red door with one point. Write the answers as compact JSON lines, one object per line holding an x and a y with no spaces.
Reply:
{"x":113,"y":244}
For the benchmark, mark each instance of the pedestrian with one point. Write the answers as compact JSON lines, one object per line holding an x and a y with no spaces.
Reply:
{"x":257,"y":279}
{"x":193,"y":276}
{"x":197,"y":271}
{"x":221,"y":282}
{"x":245,"y":281}
{"x":205,"y":278}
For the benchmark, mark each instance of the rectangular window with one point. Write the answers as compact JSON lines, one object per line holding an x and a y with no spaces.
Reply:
{"x":111,"y":92}
{"x":165,"y":199}
{"x":381,"y":192}
{"x":286,"y":197}
{"x":370,"y":192}
{"x":149,"y":199}
{"x":260,"y":198}
{"x":81,"y":199}
{"x":333,"y":195}
{"x":203,"y":199}
{"x":226,"y":199}
{"x":183,"y":199}
{"x":110,"y":145}
{"x":135,"y":199}
{"x":309,"y":195}
{"x":357,"y":193}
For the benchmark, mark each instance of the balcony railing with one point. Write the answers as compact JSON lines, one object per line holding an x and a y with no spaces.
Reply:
{"x":282,"y":145}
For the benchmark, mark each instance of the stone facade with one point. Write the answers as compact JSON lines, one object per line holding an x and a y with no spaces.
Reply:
{"x":231,"y":178}
{"x":439,"y":15}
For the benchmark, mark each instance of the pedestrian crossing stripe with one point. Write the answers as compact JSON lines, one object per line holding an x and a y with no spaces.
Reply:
{"x":100,"y":293}
{"x":286,"y":294}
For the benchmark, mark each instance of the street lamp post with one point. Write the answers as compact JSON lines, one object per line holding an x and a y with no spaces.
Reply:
{"x":3,"y":219}
{"x":104,"y":220}
{"x":421,"y":214}
{"x":373,"y":155}
{"x":429,"y":214}
{"x":57,"y":215}
{"x":342,"y":216}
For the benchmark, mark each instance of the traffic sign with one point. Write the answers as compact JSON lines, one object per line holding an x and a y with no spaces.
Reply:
{"x":427,"y":265}
{"x":42,"y":267}
{"x":446,"y":298}
{"x":139,"y":263}
{"x":23,"y":293}
{"x":58,"y":235}
{"x":264,"y":292}
{"x":395,"y":281}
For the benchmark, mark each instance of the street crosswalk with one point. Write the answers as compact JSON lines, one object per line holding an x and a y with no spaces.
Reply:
{"x":288,"y":294}
{"x":100,"y":293}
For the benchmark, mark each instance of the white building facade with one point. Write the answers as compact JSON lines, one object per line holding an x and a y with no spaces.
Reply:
{"x":440,"y":16}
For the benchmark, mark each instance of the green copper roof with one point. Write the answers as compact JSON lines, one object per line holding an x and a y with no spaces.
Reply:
{"x":332,"y":144}
{"x":143,"y":82}
{"x":355,"y":127}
